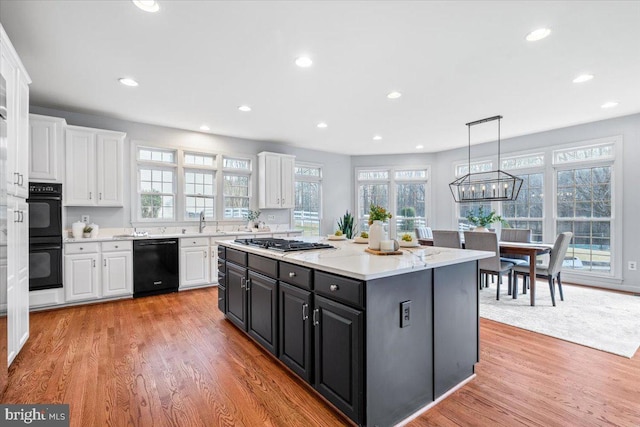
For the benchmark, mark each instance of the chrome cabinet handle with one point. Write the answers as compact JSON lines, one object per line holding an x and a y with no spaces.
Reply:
{"x":105,"y":262}
{"x":248,"y":285}
{"x":90,"y":195}
{"x":305,"y":311}
{"x":16,"y":181}
{"x":93,"y":262}
{"x":100,"y":196}
{"x":16,"y":216}
{"x":334,"y":288}
{"x":242,"y":281}
{"x":316,"y":321}
{"x":205,"y":254}
{"x":292,"y":274}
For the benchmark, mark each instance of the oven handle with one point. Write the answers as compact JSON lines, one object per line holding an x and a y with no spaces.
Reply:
{"x":157,"y":243}
{"x":40,"y":198}
{"x":44,"y":247}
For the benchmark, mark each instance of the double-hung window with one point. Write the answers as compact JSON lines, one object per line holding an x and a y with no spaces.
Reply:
{"x":373,"y":189}
{"x":308,"y":198}
{"x":199,"y":185}
{"x":236,"y":177}
{"x":156,"y":183}
{"x":466,"y":208}
{"x":584,"y":204}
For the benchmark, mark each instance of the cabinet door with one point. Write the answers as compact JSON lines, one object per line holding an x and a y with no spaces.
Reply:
{"x":287,"y":182}
{"x":339,"y":356}
{"x":13,"y":229}
{"x":8,"y":69}
{"x":213,"y":263}
{"x":295,"y":329}
{"x":236,"y":278}
{"x":43,"y":148}
{"x":22,"y":148}
{"x":109,"y":170}
{"x":80,"y":168}
{"x":21,"y":247}
{"x":81,"y":277}
{"x":194,"y":266}
{"x":117,"y":274}
{"x":263,"y":313}
{"x":272,"y":181}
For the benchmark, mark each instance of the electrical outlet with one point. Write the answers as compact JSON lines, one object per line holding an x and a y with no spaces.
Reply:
{"x":633,"y":265}
{"x":405,"y":314}
{"x":271,"y":217}
{"x":85,"y":219}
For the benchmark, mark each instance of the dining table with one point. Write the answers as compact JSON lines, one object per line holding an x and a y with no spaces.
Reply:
{"x":532,"y":250}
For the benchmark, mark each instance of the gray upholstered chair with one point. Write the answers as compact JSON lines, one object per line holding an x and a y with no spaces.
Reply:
{"x":487,"y":241}
{"x":521,"y":235}
{"x":551,"y":271}
{"x":423,"y":233}
{"x":447,"y":239}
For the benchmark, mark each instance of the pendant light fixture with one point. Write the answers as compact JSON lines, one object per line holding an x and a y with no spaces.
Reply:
{"x":485,"y":186}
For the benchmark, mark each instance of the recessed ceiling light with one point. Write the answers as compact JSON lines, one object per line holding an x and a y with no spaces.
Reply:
{"x":419,"y":147}
{"x":204,"y":127}
{"x":538,"y":34}
{"x":394,"y":95}
{"x":377,"y":138}
{"x":304,"y":61}
{"x":322,"y":125}
{"x":609,"y":104}
{"x":583,"y":78}
{"x":128,"y":82}
{"x":147,"y":5}
{"x":244,"y":108}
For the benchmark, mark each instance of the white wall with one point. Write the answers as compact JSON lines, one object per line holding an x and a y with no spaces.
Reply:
{"x":442,"y":174}
{"x":337,"y":180}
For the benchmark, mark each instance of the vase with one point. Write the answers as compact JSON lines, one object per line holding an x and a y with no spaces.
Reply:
{"x":480,"y":228}
{"x":376,"y":234}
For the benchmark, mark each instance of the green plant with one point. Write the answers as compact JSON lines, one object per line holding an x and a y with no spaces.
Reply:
{"x":378,"y":213}
{"x":407,"y":223}
{"x":485,"y":219}
{"x":347,"y":225}
{"x":253,"y":215}
{"x":87,"y":229}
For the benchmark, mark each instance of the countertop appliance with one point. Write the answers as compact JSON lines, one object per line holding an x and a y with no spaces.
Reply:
{"x":45,"y":236}
{"x":283,"y":245}
{"x":155,"y":267}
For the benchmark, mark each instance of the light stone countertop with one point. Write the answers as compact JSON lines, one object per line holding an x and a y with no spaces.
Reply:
{"x":350,"y":259}
{"x":222,"y":234}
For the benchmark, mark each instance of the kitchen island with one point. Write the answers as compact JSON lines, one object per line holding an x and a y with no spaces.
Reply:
{"x":380,"y":337}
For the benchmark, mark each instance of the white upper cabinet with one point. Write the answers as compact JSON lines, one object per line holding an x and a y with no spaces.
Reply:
{"x":276,"y":180}
{"x":94,"y":167}
{"x":45,"y":148}
{"x":17,"y":85}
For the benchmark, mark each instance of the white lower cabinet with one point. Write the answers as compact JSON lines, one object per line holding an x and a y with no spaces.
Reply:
{"x":93,"y":270}
{"x":194,"y":262}
{"x":17,"y":247}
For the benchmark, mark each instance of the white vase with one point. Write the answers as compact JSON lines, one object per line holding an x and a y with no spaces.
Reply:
{"x":77,"y":228}
{"x":480,"y":228}
{"x":376,"y":234}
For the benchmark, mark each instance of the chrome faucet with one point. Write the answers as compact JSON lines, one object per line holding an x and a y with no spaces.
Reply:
{"x":202,"y":222}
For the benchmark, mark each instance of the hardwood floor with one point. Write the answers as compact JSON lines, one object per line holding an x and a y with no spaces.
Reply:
{"x":172,"y":360}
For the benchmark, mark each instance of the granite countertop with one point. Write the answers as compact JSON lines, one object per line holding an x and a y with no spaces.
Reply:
{"x":206,"y":233}
{"x":350,"y":259}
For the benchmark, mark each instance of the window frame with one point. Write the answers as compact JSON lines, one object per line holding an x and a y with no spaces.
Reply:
{"x":154,"y":165}
{"x":228,"y":171}
{"x":311,"y":179}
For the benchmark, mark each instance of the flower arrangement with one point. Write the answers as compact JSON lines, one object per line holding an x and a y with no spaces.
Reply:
{"x":484,"y":220}
{"x":378,"y":213}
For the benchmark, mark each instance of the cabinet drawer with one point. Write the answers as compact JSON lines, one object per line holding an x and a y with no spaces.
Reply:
{"x":222,"y":252}
{"x":236,"y":256}
{"x":222,"y":298}
{"x":188,"y":242}
{"x":222,"y":266}
{"x":339,"y":288}
{"x":296,"y":275}
{"x":81,"y":248}
{"x":222,"y":279}
{"x":121,"y":245}
{"x":266,"y":266}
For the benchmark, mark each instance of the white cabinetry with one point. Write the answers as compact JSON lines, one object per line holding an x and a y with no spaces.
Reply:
{"x":16,"y":176}
{"x":94,"y":166}
{"x":93,"y":270}
{"x":194,"y":262}
{"x":45,"y":147}
{"x":276,"y":180}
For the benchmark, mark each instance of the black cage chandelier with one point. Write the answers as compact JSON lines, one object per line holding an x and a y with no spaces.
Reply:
{"x":485,"y":186}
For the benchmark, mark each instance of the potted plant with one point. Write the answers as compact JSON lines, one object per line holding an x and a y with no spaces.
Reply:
{"x":377,"y":233}
{"x":252,"y":217}
{"x":86,"y":231}
{"x":347,"y":225}
{"x":483,"y":220}
{"x":378,"y":213}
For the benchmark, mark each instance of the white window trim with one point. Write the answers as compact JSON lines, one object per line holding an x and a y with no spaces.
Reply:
{"x":136,"y":196}
{"x":236,"y":172}
{"x":306,"y":178}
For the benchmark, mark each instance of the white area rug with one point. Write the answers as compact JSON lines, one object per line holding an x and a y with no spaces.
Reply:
{"x":603,"y":320}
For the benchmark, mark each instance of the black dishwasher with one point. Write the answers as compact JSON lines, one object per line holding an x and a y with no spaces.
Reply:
{"x":155,"y":266}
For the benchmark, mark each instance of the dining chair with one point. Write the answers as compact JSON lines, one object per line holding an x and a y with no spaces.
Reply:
{"x":487,"y":241}
{"x":550,"y":271}
{"x":522,"y":235}
{"x":423,"y":233}
{"x":447,"y":239}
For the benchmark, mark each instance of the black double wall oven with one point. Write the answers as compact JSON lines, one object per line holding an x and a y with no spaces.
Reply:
{"x":45,"y":236}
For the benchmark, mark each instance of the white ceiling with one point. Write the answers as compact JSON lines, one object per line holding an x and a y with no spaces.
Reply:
{"x":454,"y":62}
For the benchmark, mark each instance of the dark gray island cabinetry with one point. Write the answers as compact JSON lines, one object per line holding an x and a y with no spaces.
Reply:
{"x":381,"y":338}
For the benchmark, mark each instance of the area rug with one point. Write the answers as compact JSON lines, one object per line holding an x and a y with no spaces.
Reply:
{"x":606,"y":321}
